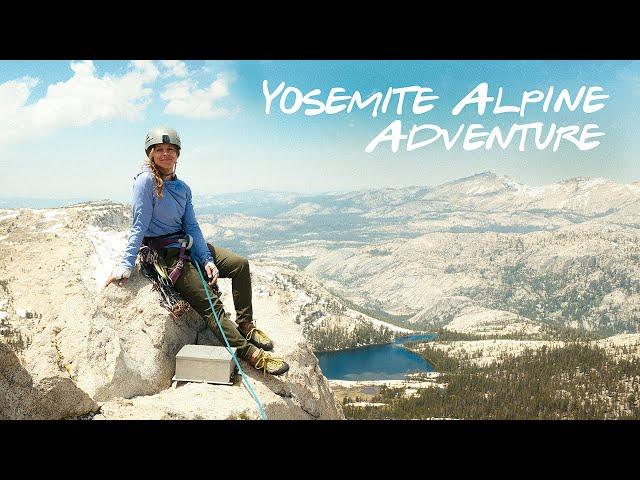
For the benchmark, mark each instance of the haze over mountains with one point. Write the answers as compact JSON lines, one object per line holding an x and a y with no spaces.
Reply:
{"x":483,"y":248}
{"x":481,"y":203}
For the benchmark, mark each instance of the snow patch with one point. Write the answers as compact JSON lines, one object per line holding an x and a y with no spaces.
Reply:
{"x":108,"y":248}
{"x":51,"y":215}
{"x":7,"y":217}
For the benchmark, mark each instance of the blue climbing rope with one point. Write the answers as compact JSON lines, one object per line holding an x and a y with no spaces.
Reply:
{"x":244,"y":376}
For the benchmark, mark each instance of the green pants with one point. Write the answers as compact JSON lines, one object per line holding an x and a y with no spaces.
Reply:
{"x":190,"y":288}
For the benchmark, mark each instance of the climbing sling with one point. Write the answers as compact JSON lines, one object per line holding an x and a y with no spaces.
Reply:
{"x":152,"y":267}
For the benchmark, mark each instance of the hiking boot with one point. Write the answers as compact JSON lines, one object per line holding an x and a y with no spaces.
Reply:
{"x":269,"y":364}
{"x":255,"y":336}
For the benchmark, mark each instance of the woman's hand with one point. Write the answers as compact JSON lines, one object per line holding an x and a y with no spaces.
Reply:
{"x":119,"y":275}
{"x":118,"y":281}
{"x":212,"y":273}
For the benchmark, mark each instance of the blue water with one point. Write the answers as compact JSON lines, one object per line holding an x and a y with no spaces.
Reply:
{"x":377,"y":362}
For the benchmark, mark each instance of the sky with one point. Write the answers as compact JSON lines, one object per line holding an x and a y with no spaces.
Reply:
{"x":76,"y":128}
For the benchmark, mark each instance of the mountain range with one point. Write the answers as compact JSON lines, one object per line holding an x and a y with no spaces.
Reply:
{"x":564,"y":254}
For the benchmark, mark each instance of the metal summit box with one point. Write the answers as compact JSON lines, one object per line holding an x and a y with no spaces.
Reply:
{"x":204,"y":363}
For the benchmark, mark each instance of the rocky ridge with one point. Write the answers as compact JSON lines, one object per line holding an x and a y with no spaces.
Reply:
{"x":110,"y":353}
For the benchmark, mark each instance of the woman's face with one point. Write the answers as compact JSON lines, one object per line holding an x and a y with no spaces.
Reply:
{"x":165,"y":156}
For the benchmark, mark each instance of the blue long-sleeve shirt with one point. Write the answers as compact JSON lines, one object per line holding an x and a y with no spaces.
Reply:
{"x":153,"y":216}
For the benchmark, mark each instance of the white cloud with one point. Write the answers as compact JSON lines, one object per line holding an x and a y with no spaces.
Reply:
{"x":186,"y":99}
{"x":14,"y":94}
{"x":174,"y":68}
{"x":83,"y":99}
{"x":211,"y":66}
{"x":146,"y":68}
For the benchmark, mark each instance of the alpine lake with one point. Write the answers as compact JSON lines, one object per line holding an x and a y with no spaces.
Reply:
{"x":391,"y":361}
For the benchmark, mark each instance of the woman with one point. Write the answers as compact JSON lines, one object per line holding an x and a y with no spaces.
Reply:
{"x":162,"y":208}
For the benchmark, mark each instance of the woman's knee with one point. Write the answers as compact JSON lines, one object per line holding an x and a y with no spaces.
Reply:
{"x":240,"y":264}
{"x":244,"y":263}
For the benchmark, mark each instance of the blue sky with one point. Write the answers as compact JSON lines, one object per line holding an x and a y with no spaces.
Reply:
{"x":76,"y":128}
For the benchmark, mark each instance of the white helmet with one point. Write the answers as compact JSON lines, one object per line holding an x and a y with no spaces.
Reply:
{"x":161,"y":135}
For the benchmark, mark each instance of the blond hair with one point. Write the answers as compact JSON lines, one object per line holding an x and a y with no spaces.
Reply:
{"x":156,"y":173}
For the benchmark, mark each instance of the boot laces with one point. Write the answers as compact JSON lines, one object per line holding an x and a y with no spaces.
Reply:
{"x":256,"y":332}
{"x":268,"y":363}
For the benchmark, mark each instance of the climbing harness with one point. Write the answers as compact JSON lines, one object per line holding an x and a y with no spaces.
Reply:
{"x":154,"y":269}
{"x":185,"y":241}
{"x":231,"y":352}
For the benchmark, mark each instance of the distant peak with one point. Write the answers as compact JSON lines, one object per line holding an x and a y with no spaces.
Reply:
{"x":487,"y":174}
{"x":478,"y":176}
